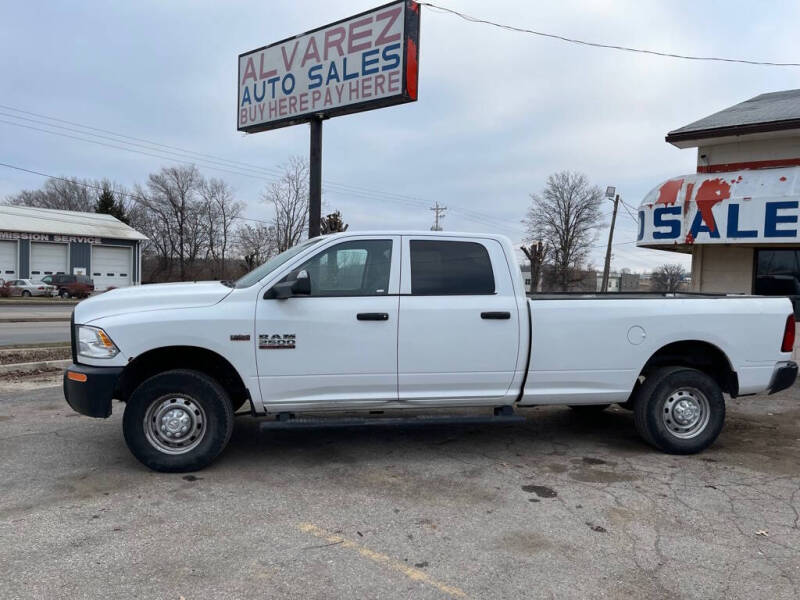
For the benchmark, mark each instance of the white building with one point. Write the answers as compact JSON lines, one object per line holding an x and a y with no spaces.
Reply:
{"x":35,"y":242}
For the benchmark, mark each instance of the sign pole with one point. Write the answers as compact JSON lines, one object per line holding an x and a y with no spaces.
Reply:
{"x":315,"y":178}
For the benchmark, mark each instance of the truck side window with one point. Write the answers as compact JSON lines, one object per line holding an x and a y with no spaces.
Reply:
{"x":446,"y":268}
{"x":356,"y":268}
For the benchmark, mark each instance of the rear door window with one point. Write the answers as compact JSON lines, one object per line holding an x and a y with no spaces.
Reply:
{"x":450,"y":268}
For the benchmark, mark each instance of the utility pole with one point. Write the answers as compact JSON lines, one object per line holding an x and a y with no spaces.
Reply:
{"x":315,"y":178}
{"x":439,"y":214}
{"x":604,"y":286}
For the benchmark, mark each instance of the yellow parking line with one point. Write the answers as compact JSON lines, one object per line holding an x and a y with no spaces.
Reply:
{"x":382,"y":559}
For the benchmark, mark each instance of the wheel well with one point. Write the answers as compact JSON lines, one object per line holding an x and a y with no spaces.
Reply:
{"x":167,"y":358}
{"x":699,"y":355}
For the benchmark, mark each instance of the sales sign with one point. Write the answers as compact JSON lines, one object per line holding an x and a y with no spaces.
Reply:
{"x":745,"y":207}
{"x":360,"y":63}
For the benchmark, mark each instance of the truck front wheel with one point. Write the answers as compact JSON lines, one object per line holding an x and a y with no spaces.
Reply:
{"x":178,"y":421}
{"x":679,"y":410}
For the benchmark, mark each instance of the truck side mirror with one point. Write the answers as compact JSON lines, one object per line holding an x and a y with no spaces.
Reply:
{"x":300,"y":286}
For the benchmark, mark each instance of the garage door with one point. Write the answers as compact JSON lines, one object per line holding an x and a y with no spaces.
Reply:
{"x":111,"y":267}
{"x":8,"y":260}
{"x":48,"y":259}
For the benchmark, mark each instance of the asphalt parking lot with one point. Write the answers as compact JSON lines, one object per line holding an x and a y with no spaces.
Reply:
{"x":560,"y":506}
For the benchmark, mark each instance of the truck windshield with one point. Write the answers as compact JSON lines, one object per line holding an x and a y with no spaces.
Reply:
{"x":273,"y":263}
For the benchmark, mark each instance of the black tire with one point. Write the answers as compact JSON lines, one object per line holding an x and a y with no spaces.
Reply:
{"x":193,"y":396}
{"x":64,"y":294}
{"x":658,"y":399}
{"x":26,"y":293}
{"x":588,"y":409}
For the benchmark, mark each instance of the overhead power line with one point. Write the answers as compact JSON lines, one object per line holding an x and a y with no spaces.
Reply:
{"x":209,"y":161}
{"x":628,"y":210}
{"x":569,"y":40}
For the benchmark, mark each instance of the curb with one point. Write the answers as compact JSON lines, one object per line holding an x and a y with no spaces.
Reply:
{"x":34,"y":366}
{"x":35,"y":320}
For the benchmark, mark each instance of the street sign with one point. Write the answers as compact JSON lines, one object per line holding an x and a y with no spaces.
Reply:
{"x":360,"y":63}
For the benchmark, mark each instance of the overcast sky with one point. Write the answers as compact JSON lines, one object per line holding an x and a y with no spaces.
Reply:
{"x":497,"y":111}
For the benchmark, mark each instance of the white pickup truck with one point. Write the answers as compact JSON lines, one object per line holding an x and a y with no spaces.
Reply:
{"x":376,"y":321}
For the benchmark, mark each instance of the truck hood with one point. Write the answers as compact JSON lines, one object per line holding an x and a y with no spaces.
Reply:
{"x":142,"y":298}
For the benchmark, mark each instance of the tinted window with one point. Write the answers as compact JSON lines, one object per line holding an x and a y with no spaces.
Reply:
{"x":778,"y":274}
{"x":442,"y":268}
{"x":357,"y":268}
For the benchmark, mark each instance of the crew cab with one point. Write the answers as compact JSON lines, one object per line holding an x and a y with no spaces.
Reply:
{"x":402,"y":320}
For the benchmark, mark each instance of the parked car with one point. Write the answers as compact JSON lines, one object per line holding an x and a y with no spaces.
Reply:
{"x":415,"y":321}
{"x":29,"y":287}
{"x":70,"y":286}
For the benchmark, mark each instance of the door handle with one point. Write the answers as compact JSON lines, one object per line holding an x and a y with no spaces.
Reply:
{"x":372,"y":316}
{"x":496,"y":315}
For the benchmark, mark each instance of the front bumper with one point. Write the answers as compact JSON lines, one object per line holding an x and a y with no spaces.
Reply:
{"x":783,"y":377}
{"x":89,"y":390}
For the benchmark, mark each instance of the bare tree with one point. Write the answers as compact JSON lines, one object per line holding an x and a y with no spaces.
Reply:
{"x":172,"y":198}
{"x":221,"y":211}
{"x":289,"y":197}
{"x":565,"y":217}
{"x":256,"y":244}
{"x":536,"y":253}
{"x":63,"y":194}
{"x":668,"y":278}
{"x":156,"y":225}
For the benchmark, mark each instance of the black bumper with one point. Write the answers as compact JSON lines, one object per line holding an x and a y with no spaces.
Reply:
{"x":89,"y":390}
{"x":784,"y":377}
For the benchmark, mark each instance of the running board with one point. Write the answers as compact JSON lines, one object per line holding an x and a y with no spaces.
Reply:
{"x":284,"y":421}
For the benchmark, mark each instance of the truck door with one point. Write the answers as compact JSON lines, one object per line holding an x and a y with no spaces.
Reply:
{"x":339,"y":343}
{"x":459,"y":333}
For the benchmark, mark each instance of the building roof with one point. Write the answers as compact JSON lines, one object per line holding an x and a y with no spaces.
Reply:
{"x":775,"y":111}
{"x":65,"y":222}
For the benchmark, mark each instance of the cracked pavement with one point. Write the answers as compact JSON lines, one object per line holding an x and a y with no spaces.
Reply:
{"x":561,"y":506}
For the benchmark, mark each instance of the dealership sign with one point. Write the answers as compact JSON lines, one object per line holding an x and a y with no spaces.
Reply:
{"x":48,"y":237}
{"x":360,"y":63}
{"x":745,"y":207}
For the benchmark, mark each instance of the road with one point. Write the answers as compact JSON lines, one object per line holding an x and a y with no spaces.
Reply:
{"x":33,"y":332}
{"x":49,"y":311}
{"x":560,"y":506}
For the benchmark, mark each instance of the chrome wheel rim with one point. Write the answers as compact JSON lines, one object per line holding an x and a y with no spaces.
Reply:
{"x":686,"y":412}
{"x":175,"y":424}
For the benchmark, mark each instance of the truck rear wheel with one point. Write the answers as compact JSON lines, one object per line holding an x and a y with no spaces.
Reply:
{"x":178,"y":421}
{"x":679,"y":410}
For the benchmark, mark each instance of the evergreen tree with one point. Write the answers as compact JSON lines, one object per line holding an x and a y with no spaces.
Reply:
{"x":107,"y":204}
{"x":333,"y":223}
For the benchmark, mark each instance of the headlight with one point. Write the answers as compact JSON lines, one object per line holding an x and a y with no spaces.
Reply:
{"x":93,"y":342}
